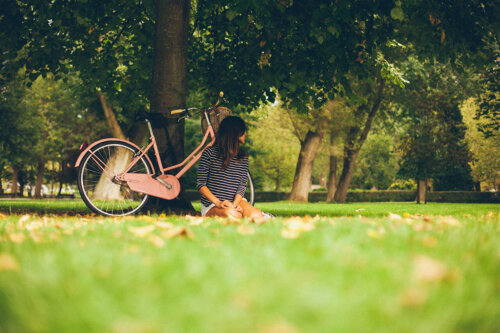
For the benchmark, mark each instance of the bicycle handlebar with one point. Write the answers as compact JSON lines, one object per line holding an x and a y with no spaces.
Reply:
{"x":221,"y":98}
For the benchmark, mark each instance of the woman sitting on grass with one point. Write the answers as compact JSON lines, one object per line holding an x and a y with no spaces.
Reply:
{"x":222,"y":173}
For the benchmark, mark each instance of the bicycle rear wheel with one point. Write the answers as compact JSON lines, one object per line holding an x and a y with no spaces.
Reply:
{"x":250,"y":192}
{"x":98,"y":188}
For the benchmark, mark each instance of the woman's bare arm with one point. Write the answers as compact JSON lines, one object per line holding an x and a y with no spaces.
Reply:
{"x":213,"y":199}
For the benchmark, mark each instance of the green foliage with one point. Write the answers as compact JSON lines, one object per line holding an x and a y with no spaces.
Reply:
{"x":274,"y":147}
{"x":376,"y":164}
{"x":452,"y":170}
{"x":403,"y":184}
{"x":489,"y":105}
{"x":485,"y":161}
{"x":433,"y":145}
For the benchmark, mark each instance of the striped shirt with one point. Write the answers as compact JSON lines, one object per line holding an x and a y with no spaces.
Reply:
{"x":223,"y":183}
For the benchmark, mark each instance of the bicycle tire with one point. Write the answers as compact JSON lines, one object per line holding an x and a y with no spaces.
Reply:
{"x":91,"y":176}
{"x":250,"y":191}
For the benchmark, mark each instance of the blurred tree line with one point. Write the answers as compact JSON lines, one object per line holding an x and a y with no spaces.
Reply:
{"x":345,"y":93}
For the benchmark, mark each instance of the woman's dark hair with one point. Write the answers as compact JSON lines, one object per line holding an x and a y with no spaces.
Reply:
{"x":230,"y":130}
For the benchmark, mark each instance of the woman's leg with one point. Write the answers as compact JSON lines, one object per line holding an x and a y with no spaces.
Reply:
{"x":249,"y":210}
{"x":224,"y":212}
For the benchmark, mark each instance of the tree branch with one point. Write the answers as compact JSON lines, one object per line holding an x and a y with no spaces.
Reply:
{"x":371,"y":116}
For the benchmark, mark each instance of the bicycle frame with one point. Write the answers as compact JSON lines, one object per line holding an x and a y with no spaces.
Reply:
{"x":188,"y":161}
{"x":192,"y":158}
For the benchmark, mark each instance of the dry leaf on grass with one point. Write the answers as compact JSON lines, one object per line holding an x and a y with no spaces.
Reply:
{"x":429,"y":241}
{"x":141,"y":231}
{"x":296,"y":223}
{"x":394,"y":216}
{"x":428,"y":270}
{"x":23,"y":220}
{"x":194,"y":220}
{"x":376,"y":234}
{"x":245,"y":229}
{"x":413,"y":297}
{"x":288,"y":233}
{"x":178,"y":231}
{"x":280,"y":326}
{"x":259,"y":220}
{"x":8,"y":263}
{"x":156,"y":241}
{"x":164,"y":225}
{"x":448,"y":221}
{"x":17,"y":237}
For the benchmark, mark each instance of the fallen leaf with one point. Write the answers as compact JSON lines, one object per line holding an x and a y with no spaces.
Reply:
{"x":490,"y":214}
{"x":429,"y":241}
{"x":156,"y":241}
{"x":279,"y":326}
{"x":141,"y":231}
{"x":36,"y":237}
{"x":194,"y":220}
{"x":297,"y":224}
{"x":17,"y":237}
{"x":374,"y":234}
{"x":178,"y":231}
{"x":164,"y":225}
{"x":245,"y":229}
{"x":3,"y":216}
{"x":394,"y":216}
{"x":259,"y":220}
{"x":448,"y":221}
{"x":413,"y":297}
{"x":8,"y":263}
{"x":23,"y":220}
{"x":288,"y":233}
{"x":34,"y":225}
{"x":428,"y":270}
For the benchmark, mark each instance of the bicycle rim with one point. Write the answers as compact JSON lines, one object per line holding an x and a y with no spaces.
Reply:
{"x":250,"y":193}
{"x":97,"y":187}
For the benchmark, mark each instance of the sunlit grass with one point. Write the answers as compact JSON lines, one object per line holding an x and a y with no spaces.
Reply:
{"x":405,"y":272}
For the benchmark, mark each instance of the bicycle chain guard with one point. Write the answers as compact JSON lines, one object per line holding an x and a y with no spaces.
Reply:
{"x":145,"y":183}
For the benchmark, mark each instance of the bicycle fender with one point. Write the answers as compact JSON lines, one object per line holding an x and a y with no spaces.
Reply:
{"x":83,"y":153}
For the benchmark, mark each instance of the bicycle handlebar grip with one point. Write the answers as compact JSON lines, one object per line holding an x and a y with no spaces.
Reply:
{"x":177,"y":111}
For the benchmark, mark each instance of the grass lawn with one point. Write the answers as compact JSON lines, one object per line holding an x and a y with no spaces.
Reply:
{"x":363,"y":267}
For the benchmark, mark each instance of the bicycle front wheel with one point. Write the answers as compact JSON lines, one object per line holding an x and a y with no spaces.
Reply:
{"x":99,"y":189}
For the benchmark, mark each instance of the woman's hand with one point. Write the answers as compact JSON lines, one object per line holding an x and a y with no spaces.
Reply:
{"x":225,"y":204}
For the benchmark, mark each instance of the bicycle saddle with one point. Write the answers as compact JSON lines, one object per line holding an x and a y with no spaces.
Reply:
{"x":157,"y":120}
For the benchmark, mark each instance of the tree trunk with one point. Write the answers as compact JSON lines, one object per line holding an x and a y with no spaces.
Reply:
{"x":352,"y":147}
{"x":15,"y":175}
{"x":302,"y":180}
{"x":62,"y":168}
{"x":331,"y":184}
{"x":350,"y":156}
{"x":278,"y":180}
{"x":422,"y":191}
{"x":21,"y":177}
{"x":40,"y":171}
{"x":169,"y":86}
{"x":113,"y":125}
{"x":106,"y":189}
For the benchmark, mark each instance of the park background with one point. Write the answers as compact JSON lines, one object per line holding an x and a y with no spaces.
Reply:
{"x":366,"y":100}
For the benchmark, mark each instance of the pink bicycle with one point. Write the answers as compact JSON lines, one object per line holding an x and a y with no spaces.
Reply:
{"x":116,"y":177}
